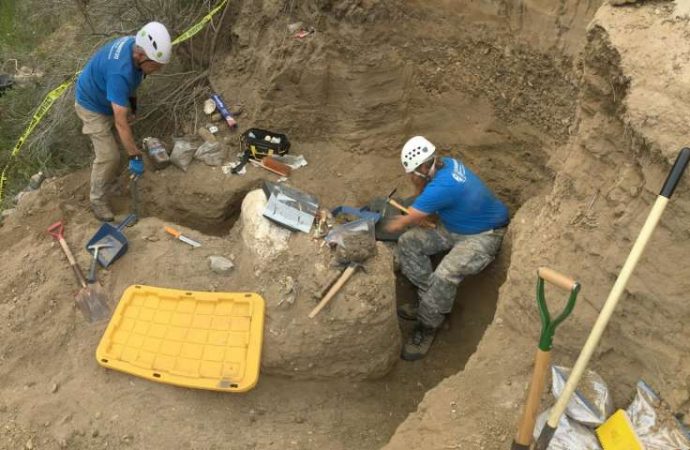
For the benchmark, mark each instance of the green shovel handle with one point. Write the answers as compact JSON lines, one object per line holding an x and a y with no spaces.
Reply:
{"x":548,"y":325}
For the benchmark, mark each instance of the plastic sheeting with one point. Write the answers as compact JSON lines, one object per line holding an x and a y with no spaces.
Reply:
{"x":591,"y":404}
{"x":569,"y":435}
{"x":654,"y":423}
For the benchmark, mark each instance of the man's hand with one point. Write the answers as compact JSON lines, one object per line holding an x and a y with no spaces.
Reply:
{"x":413,"y":217}
{"x":136,"y":166}
{"x":395,"y":224}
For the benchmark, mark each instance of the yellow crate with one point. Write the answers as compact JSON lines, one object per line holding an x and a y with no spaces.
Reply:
{"x":203,"y":340}
{"x":617,"y":433}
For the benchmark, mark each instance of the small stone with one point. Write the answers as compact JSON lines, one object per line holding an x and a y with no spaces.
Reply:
{"x":7,"y":212}
{"x":98,"y":415}
{"x":209,"y":106}
{"x":294,"y":27}
{"x":499,"y":321}
{"x":220,"y":264}
{"x":62,"y":443}
{"x":36,"y":180}
{"x":29,"y":444}
{"x":54,"y":388}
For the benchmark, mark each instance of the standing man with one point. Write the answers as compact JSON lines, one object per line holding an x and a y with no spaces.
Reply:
{"x":106,"y":93}
{"x":473,"y":222}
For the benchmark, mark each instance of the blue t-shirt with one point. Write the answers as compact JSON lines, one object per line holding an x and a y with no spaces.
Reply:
{"x":110,"y":76}
{"x":462,"y":201}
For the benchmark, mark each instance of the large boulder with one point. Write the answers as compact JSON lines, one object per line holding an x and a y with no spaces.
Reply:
{"x":261,"y":236}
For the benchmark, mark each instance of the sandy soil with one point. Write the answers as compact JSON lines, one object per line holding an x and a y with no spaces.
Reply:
{"x":578,"y":181}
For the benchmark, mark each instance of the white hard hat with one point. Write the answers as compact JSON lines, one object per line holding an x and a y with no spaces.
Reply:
{"x":416,"y":152}
{"x":155,"y":40}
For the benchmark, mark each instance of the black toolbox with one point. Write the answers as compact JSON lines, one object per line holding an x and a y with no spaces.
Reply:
{"x":254,"y":143}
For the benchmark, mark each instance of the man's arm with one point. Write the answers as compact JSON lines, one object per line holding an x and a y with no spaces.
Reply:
{"x":124,"y":130}
{"x":413,"y":217}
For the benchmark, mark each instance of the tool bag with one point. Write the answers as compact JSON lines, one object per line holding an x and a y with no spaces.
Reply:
{"x":256,"y":143}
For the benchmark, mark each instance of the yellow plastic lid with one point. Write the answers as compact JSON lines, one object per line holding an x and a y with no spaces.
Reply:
{"x":203,"y":340}
{"x":617,"y":433}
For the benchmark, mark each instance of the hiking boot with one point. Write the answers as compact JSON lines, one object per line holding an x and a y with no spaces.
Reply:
{"x":419,"y":343}
{"x":102,"y":212}
{"x":408,"y":311}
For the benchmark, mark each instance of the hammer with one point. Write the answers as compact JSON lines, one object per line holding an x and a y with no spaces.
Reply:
{"x":347,"y":273}
{"x":389,"y":200}
{"x":91,"y":278}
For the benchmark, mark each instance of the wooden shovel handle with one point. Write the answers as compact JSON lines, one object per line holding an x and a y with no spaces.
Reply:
{"x":556,"y":278}
{"x":334,"y":290}
{"x":72,"y":262}
{"x":523,"y":439}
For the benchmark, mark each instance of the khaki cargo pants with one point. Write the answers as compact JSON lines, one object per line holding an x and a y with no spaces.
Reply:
{"x":99,"y":128}
{"x":469,"y":254}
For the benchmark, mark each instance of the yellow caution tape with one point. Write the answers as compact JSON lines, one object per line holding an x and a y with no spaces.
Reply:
{"x":56,"y":93}
{"x":200,"y":25}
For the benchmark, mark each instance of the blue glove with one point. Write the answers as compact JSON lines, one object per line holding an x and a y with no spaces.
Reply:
{"x":136,"y":166}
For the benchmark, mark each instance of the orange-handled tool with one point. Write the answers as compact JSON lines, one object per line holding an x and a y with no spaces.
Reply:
{"x":176,"y":234}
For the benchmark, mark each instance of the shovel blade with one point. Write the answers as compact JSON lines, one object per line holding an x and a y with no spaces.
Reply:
{"x":92,"y":303}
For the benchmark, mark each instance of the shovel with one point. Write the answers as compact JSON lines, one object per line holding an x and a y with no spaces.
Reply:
{"x":90,"y":299}
{"x":616,"y":291}
{"x":523,"y":439}
{"x":114,"y":238}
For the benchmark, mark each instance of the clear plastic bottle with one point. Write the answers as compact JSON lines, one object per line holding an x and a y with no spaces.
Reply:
{"x":157,"y":152}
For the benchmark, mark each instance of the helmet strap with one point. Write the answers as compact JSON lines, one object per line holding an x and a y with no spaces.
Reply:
{"x":429,"y":174}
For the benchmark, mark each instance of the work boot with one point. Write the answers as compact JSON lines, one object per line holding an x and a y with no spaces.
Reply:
{"x":419,"y":343}
{"x":102,"y":212}
{"x":408,"y":311}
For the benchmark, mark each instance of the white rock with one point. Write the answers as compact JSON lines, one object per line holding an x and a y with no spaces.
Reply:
{"x":220,"y":264}
{"x":265,"y":239}
{"x":682,"y":9}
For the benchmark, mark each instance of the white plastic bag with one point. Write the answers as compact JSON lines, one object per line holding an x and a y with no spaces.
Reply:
{"x":654,"y":423}
{"x":182,"y":153}
{"x":211,"y":153}
{"x":569,"y":435}
{"x":591,"y":404}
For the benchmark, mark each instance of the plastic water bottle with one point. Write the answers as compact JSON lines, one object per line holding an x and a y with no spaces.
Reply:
{"x":157,"y":153}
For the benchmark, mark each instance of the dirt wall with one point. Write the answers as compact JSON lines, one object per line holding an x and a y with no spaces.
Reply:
{"x":547,"y":25}
{"x":608,"y":178}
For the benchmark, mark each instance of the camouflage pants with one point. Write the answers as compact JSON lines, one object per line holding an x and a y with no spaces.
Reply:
{"x":469,"y":254}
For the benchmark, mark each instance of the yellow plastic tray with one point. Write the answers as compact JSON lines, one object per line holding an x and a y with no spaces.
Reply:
{"x":203,"y":340}
{"x":617,"y":433}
